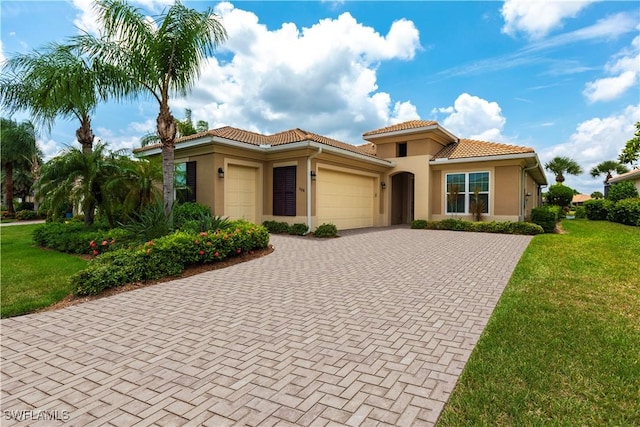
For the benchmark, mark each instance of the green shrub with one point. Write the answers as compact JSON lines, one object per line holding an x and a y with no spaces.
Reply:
{"x":559,"y":211}
{"x":419,"y":223}
{"x":622,"y":190}
{"x":597,"y":209}
{"x":149,"y":224}
{"x":581,"y":212}
{"x":27,"y":215}
{"x":298,"y":229}
{"x":326,"y":230}
{"x":505,"y":227}
{"x":276,"y":227}
{"x":167,"y":256}
{"x":205,"y":222}
{"x":545,"y":218}
{"x":73,"y":237}
{"x":25,"y":206}
{"x":560,"y":195}
{"x":625,"y":211}
{"x":189,"y":211}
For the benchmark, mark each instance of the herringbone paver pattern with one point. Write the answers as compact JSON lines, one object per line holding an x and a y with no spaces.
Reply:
{"x":367,"y":329}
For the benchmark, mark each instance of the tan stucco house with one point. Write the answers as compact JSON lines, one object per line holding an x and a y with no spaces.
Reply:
{"x":411,"y":170}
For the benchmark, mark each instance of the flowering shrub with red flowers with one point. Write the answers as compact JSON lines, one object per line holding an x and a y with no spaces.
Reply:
{"x":75,"y":238}
{"x":167,"y":256}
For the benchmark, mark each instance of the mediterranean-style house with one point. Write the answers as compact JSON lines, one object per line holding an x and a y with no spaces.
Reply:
{"x":411,"y":170}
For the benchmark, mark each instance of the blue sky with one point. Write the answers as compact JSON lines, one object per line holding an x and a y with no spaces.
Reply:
{"x":561,"y":77}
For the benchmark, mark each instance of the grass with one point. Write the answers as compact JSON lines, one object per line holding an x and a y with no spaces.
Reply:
{"x":31,"y":277}
{"x":563,"y":344}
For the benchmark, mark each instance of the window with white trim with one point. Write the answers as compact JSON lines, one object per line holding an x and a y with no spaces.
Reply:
{"x":461,"y":191}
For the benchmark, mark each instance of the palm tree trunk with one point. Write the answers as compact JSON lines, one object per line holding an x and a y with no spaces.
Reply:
{"x":85,"y":135}
{"x":8,"y":186}
{"x":167,"y":134}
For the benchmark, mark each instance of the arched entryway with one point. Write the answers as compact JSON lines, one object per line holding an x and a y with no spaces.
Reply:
{"x":402,"y":198}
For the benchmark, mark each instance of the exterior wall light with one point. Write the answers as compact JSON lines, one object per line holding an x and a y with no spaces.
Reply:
{"x":313,"y":175}
{"x":220,"y":173}
{"x":383,"y":185}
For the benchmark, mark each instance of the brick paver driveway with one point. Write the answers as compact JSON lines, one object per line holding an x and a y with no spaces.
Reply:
{"x":371,"y":328}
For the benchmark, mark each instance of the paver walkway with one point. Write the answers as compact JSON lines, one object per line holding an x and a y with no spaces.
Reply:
{"x":367,"y":329}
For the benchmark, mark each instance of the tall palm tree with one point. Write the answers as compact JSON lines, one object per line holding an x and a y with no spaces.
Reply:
{"x":78,"y":178}
{"x":162,"y":58}
{"x":184,"y":127}
{"x":607,"y":167}
{"x":18,"y":147}
{"x":59,"y":82}
{"x":136,"y":184}
{"x":561,"y":165}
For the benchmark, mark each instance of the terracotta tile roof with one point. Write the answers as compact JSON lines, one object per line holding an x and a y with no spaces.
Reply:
{"x":281,"y":138}
{"x":625,"y":176}
{"x":465,"y":148}
{"x":412,"y":124}
{"x":580,"y":198}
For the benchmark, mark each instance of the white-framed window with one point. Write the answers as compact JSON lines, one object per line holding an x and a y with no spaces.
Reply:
{"x":460,"y":192}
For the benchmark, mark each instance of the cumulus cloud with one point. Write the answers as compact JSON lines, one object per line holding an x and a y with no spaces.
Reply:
{"x":595,"y":140}
{"x":624,"y":71}
{"x":87,"y":18}
{"x":475,"y":118}
{"x":2,"y":57}
{"x":321,"y":78}
{"x":538,"y":18}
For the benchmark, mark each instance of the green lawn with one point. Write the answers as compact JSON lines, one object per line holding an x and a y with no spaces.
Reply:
{"x":31,"y":277}
{"x":563,"y":345}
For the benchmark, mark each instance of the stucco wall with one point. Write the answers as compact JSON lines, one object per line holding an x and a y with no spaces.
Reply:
{"x":506,"y":195}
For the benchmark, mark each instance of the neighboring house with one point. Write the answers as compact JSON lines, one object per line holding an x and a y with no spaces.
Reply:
{"x":579,"y":199}
{"x":633,"y":176}
{"x":403,"y":172}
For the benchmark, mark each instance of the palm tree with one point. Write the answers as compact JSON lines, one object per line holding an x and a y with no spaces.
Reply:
{"x":161,"y":58}
{"x":18,"y":147}
{"x":136,"y":184}
{"x":78,"y":178}
{"x":184,"y":127}
{"x":562,"y":165}
{"x":58,"y":82}
{"x":606,"y":168}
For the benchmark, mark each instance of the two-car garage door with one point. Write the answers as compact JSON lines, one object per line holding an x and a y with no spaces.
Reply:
{"x":345,"y":199}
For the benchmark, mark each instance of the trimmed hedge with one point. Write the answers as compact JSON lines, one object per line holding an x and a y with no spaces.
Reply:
{"x":545,"y":217}
{"x":298,"y":229}
{"x":276,"y":227}
{"x":625,"y":211}
{"x":27,"y":215}
{"x":622,"y":190}
{"x":504,"y":227}
{"x":73,"y":237}
{"x":167,"y":256}
{"x":597,"y":209}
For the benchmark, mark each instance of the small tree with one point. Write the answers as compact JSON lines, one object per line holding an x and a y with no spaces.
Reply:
{"x":477,"y":205}
{"x":606,"y":168}
{"x":631,"y":151}
{"x":452,"y":198}
{"x":559,"y":195}
{"x":597,"y":195}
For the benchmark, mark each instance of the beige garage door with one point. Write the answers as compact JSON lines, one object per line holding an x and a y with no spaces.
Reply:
{"x":344,"y":199}
{"x":240,"y":197}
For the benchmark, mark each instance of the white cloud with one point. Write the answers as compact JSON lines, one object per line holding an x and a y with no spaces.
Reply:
{"x":2,"y":57}
{"x":475,"y":118}
{"x":49,"y":148}
{"x":594,"y":141}
{"x":624,"y":68}
{"x":87,"y":18}
{"x":321,"y":78}
{"x":538,"y":18}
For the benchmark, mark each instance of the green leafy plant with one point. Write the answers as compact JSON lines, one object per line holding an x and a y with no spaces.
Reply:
{"x":419,"y":224}
{"x":625,"y":211}
{"x":545,"y":218}
{"x":326,"y":230}
{"x":276,"y":227}
{"x":189,"y":211}
{"x":560,"y":195}
{"x":597,"y":209}
{"x":27,"y":215}
{"x":622,"y":190}
{"x":581,"y":212}
{"x":149,"y":224}
{"x":298,"y":229}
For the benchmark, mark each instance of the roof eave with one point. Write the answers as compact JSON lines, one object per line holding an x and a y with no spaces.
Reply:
{"x":412,"y":131}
